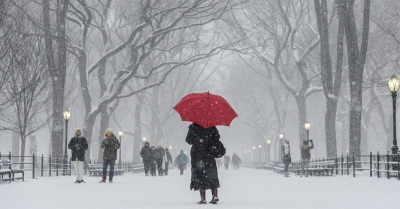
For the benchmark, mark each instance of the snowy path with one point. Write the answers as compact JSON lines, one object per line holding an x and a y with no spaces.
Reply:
{"x":245,"y":188}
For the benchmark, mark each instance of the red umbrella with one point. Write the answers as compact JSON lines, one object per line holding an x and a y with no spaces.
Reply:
{"x":205,"y":109}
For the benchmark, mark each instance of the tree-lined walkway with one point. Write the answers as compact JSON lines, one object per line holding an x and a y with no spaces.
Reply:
{"x":244,"y":188}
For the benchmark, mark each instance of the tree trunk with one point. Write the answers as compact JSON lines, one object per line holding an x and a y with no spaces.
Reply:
{"x":356,"y":59}
{"x":302,"y":111}
{"x":138,"y":128}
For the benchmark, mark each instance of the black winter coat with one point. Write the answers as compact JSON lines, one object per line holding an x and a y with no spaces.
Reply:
{"x":78,"y":145}
{"x":168,"y":156}
{"x":205,"y":148}
{"x":146,"y":152}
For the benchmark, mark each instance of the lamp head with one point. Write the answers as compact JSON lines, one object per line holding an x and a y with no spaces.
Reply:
{"x":67,"y":114}
{"x":307,"y":126}
{"x":393,"y":84}
{"x":269,"y":141}
{"x":144,"y":139}
{"x":281,"y":136}
{"x":259,"y":146}
{"x":120,"y":133}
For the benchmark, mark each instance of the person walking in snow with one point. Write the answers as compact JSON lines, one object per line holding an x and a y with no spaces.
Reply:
{"x":181,"y":160}
{"x":145,"y":153}
{"x":159,"y":157}
{"x":206,"y":146}
{"x":227,"y":160}
{"x":110,"y":145}
{"x":236,"y":161}
{"x":286,"y":157}
{"x":219,"y":162}
{"x":167,"y":161}
{"x":153,"y":161}
{"x":78,"y":145}
{"x":305,"y":157}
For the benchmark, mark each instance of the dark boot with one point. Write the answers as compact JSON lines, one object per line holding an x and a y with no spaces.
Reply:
{"x":202,"y":196}
{"x":214,"y":196}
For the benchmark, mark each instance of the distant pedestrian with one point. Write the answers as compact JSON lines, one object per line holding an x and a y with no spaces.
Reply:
{"x":219,"y":162}
{"x":110,"y":145}
{"x":78,"y":145}
{"x":159,"y":157}
{"x":206,"y":146}
{"x":153,"y":161}
{"x":236,"y":161}
{"x":181,"y":160}
{"x":145,"y":153}
{"x":305,"y":156}
{"x":286,"y":157}
{"x":227,"y":160}
{"x":168,"y":160}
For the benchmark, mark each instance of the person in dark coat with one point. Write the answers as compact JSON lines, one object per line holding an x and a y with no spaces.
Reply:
{"x":152,"y":161}
{"x":159,"y":157}
{"x":78,"y":145}
{"x":145,"y":153}
{"x":305,"y":157}
{"x":227,"y":160}
{"x":236,"y":161}
{"x":167,"y":161}
{"x":181,"y":160}
{"x":110,"y":145}
{"x":206,"y":146}
{"x":286,"y":157}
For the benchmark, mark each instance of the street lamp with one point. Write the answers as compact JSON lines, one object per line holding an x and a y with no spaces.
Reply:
{"x":281,"y":136}
{"x":394,"y":84}
{"x":120,"y":133}
{"x":269,"y":149}
{"x":170,"y":147}
{"x":254,"y":150}
{"x":67,"y":116}
{"x":307,"y":126}
{"x":259,"y":146}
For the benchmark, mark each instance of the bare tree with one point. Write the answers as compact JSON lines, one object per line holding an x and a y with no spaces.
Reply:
{"x":356,"y":59}
{"x":331,"y":81}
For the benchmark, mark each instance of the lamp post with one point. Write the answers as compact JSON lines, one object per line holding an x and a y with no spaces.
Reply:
{"x":269,"y":150}
{"x":67,"y":116}
{"x":307,"y":126}
{"x":259,"y":148}
{"x":281,"y":136}
{"x":120,"y":133}
{"x":394,"y":84}
{"x":254,"y":150}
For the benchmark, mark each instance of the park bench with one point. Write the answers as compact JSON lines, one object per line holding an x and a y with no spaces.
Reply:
{"x":4,"y":170}
{"x":97,"y":170}
{"x":318,"y":168}
{"x":137,"y":167}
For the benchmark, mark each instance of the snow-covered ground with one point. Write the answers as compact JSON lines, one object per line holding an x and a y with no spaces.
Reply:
{"x":241,"y":189}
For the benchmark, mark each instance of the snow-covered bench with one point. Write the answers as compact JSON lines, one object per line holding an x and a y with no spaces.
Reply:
{"x":137,"y":167}
{"x":97,"y":170}
{"x":5,"y":170}
{"x":318,"y":168}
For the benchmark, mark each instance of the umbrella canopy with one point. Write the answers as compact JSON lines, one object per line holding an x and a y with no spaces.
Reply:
{"x":205,"y":109}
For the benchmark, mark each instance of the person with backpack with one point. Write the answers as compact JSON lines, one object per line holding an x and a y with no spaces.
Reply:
{"x":286,"y":157}
{"x":167,"y":161}
{"x":78,"y":145}
{"x":159,"y":157}
{"x":305,"y":157}
{"x":206,"y":146}
{"x":153,"y":161}
{"x":145,"y":153}
{"x":181,"y":161}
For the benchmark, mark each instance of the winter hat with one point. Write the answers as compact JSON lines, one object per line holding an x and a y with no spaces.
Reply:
{"x":305,"y":142}
{"x":108,"y":132}
{"x":78,"y":130}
